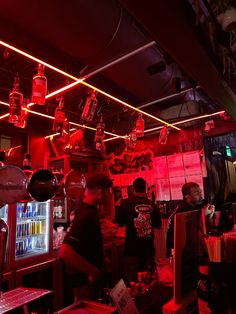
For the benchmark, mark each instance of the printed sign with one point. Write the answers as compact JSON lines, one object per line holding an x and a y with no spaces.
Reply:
{"x":122,"y":299}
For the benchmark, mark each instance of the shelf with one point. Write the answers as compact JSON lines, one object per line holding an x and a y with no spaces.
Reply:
{"x":31,"y":218}
{"x":30,"y":236}
{"x":32,"y":253}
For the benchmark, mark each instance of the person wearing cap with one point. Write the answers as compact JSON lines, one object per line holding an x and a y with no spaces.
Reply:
{"x":82,"y":249}
{"x":140,"y":216}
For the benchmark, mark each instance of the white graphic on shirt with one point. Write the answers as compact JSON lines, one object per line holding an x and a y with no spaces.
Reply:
{"x":143,"y":223}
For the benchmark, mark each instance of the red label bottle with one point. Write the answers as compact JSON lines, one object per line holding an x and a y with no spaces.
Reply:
{"x":59,"y":117}
{"x":89,"y":108}
{"x":140,"y":126}
{"x":99,"y":136}
{"x":39,"y":87}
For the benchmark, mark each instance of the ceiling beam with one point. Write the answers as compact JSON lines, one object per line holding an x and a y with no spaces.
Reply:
{"x":169,"y":24}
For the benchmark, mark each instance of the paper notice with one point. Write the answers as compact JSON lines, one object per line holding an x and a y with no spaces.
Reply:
{"x":192,"y":163}
{"x":176,"y":188}
{"x":162,"y":190}
{"x":160,"y":167}
{"x":175,"y":166}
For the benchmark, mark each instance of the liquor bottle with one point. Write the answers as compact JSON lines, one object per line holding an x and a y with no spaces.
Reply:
{"x":15,"y":102}
{"x":59,"y":116}
{"x":27,"y":162}
{"x":89,"y":108}
{"x":133,"y":138}
{"x":140,"y":126}
{"x":24,"y":115}
{"x":66,"y":130}
{"x":39,"y":86}
{"x":99,"y":136}
{"x":163,"y":135}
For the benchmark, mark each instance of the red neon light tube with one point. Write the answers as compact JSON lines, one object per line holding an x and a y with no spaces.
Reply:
{"x":27,"y":55}
{"x":188,"y":120}
{"x":129,"y":106}
{"x":51,"y":117}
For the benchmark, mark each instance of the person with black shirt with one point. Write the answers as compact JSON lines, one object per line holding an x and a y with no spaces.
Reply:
{"x":192,"y":200}
{"x":140,"y":216}
{"x":82,"y":249}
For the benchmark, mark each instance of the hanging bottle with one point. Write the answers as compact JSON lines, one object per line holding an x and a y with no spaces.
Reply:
{"x":59,"y":116}
{"x":99,"y":136}
{"x":15,"y":102}
{"x":66,"y":130}
{"x":24,"y":115}
{"x":140,"y":126}
{"x":89,"y":108}
{"x":27,"y":162}
{"x":133,"y":138}
{"x":39,"y":86}
{"x":163,"y":135}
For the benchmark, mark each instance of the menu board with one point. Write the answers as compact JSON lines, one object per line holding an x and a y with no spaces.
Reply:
{"x":192,"y":163}
{"x":176,"y":188}
{"x":163,"y":190}
{"x":160,"y":167}
{"x":175,"y":165}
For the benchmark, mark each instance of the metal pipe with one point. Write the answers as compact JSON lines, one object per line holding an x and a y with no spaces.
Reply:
{"x":124,"y":57}
{"x":167,"y":97}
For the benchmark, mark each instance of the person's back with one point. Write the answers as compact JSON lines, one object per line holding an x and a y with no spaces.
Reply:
{"x":140,"y":216}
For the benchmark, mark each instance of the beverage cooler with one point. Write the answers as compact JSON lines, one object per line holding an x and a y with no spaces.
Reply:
{"x":30,"y":232}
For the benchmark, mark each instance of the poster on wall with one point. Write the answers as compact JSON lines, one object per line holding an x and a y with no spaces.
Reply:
{"x":160,"y":167}
{"x":175,"y":165}
{"x":162,"y":190}
{"x":197,"y":179}
{"x":192,"y":163}
{"x":176,"y":188}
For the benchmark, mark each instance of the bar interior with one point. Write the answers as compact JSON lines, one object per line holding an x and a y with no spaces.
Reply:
{"x":118,"y":157}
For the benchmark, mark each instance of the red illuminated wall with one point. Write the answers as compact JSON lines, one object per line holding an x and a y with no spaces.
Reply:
{"x":183,"y":141}
{"x":38,"y":149}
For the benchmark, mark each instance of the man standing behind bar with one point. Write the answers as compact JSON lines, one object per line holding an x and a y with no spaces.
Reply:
{"x":192,"y":200}
{"x":82,"y":249}
{"x":140,"y":216}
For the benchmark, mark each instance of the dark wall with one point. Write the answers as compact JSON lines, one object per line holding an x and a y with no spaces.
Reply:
{"x":217,"y":173}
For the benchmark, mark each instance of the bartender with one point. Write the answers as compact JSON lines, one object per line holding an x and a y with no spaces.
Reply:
{"x":82,"y":249}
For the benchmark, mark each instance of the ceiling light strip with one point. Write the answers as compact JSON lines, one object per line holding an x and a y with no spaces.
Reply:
{"x":4,"y":116}
{"x":199,"y":117}
{"x":27,"y":55}
{"x":129,"y":106}
{"x":71,"y":123}
{"x":56,"y":134}
{"x":51,"y":117}
{"x":188,"y":120}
